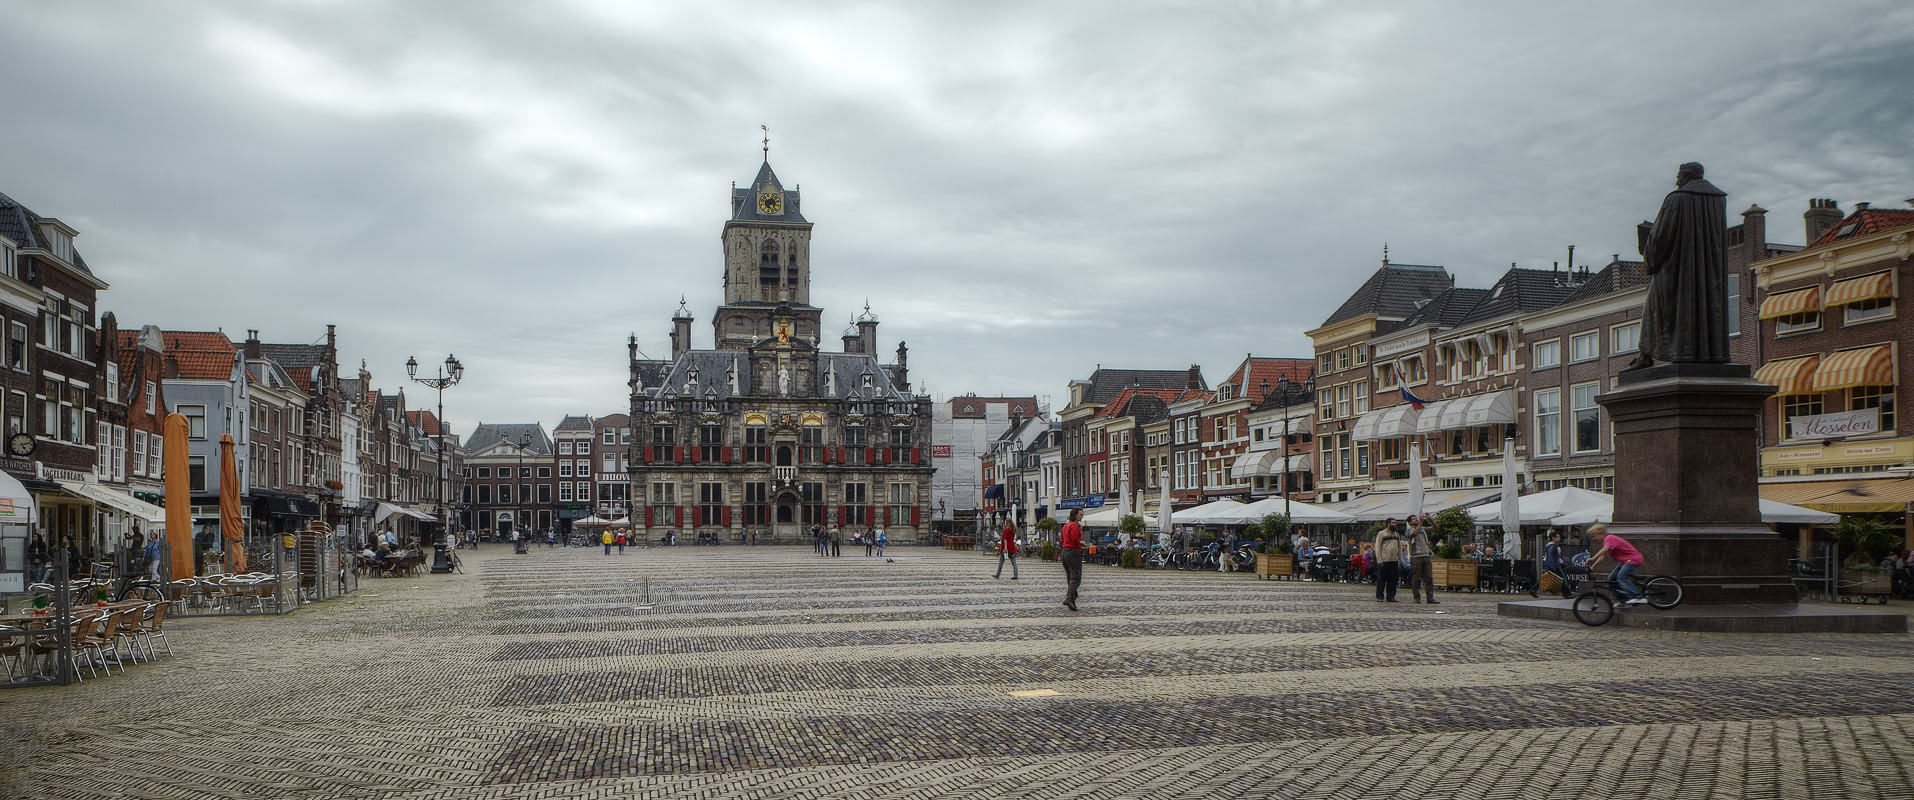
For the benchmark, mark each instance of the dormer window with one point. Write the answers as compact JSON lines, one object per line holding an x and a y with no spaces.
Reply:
{"x":58,"y":243}
{"x":9,"y":264}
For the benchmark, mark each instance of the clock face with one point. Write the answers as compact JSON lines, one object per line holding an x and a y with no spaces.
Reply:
{"x":20,"y":444}
{"x":771,"y":203}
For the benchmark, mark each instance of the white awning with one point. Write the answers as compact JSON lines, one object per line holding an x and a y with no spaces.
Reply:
{"x":1432,"y":414}
{"x":1387,"y":423}
{"x":390,"y":509}
{"x":116,"y":500}
{"x":1377,"y":506}
{"x":16,"y":503}
{"x":1493,"y":408}
{"x":1265,"y":464}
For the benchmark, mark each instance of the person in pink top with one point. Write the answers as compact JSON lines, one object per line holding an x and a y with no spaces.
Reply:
{"x":1627,"y":560}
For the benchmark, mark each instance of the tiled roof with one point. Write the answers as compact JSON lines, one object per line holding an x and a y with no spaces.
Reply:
{"x":972,"y":407}
{"x":1270,"y":370}
{"x":744,"y":200}
{"x":1294,"y":394}
{"x":424,"y":420}
{"x":573,"y":422}
{"x":1520,"y":291}
{"x":485,"y":435}
{"x":1615,"y":277}
{"x":1444,"y":310}
{"x":1392,"y":291}
{"x":20,"y":224}
{"x":1147,"y":405}
{"x":1865,"y":221}
{"x":1106,"y":384}
{"x":300,"y":361}
{"x":201,"y":355}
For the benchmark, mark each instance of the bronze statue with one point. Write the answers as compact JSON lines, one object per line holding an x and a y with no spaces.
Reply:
{"x":1685,"y":252}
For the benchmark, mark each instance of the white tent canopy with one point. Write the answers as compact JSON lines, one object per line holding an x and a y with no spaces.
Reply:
{"x":1377,"y":506}
{"x":1218,"y":512}
{"x":387,"y":510}
{"x":1300,"y":513}
{"x":1542,"y":508}
{"x":1108,"y":517}
{"x":16,"y":503}
{"x":1572,"y":506}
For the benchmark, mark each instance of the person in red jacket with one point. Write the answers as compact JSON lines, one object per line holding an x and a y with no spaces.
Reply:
{"x":1007,"y":548}
{"x":1071,"y":542}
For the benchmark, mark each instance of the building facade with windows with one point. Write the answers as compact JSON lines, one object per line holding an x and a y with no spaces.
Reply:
{"x":508,"y":479}
{"x":1229,"y":471}
{"x":766,"y":431}
{"x":611,"y":465}
{"x":1836,"y":334}
{"x":961,"y":430}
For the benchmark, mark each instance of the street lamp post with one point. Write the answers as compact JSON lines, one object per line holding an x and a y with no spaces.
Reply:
{"x":524,"y":491}
{"x":449,"y":374}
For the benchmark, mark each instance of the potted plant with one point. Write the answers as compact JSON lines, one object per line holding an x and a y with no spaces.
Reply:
{"x":1132,"y":558}
{"x":1047,"y":551}
{"x":1132,"y":524}
{"x":1274,"y":558}
{"x":1866,"y":541}
{"x":1449,"y":568}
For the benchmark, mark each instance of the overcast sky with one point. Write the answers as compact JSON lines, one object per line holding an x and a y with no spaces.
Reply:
{"x":1021,"y":192}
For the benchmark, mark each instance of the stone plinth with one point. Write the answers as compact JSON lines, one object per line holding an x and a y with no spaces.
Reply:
{"x":1686,"y":451}
{"x":1774,"y":618}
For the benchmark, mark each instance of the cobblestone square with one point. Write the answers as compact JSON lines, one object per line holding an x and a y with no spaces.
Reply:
{"x":771,"y":672}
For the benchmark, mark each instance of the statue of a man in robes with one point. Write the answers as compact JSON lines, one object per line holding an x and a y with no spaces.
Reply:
{"x":1685,"y":253}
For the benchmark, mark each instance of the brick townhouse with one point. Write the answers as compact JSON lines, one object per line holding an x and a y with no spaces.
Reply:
{"x":1223,"y":423}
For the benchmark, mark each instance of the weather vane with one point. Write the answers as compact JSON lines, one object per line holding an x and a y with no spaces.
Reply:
{"x":767,"y":141}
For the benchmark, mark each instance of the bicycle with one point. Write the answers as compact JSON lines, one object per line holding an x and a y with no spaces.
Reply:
{"x":1595,"y":604}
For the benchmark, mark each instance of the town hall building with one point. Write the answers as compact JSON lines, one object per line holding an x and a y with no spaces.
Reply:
{"x":766,"y":433}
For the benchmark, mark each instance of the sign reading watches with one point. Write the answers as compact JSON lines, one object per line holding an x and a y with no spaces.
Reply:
{"x":1834,"y":426}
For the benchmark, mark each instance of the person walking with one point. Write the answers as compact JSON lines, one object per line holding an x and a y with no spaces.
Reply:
{"x":621,"y":542}
{"x":1070,"y":543}
{"x":607,"y":538}
{"x":1627,"y":560}
{"x":837,"y":541}
{"x":1421,"y":565}
{"x":1007,"y":549}
{"x":1552,"y":561}
{"x":870,"y":541}
{"x":881,"y":541}
{"x":1388,"y":562}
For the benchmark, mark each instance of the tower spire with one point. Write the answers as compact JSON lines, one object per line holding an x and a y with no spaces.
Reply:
{"x":767,"y":142}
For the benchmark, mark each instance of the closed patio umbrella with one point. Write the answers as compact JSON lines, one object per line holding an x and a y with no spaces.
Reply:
{"x":1415,"y":477}
{"x":231,"y":529}
{"x":1163,"y":507}
{"x":179,"y":499}
{"x":1511,"y":512}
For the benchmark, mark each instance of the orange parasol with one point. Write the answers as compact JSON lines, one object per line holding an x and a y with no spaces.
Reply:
{"x":179,"y":499}
{"x":230,"y":528}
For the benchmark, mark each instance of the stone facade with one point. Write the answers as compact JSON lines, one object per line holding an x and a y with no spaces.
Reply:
{"x":766,"y":432}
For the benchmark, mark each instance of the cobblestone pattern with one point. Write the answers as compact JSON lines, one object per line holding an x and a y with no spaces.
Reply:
{"x":767,"y":673}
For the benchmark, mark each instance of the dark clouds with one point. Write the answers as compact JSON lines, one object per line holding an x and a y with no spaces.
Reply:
{"x":1021,"y":193}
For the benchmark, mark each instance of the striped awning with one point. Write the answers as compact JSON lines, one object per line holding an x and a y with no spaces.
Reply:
{"x":1787,"y":304}
{"x":1866,"y":287}
{"x":1862,"y":366}
{"x":1793,"y":375}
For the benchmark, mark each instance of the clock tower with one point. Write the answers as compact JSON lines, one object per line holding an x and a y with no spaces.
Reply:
{"x":767,"y":263}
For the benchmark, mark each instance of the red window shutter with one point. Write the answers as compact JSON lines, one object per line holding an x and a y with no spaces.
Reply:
{"x":914,"y":516}
{"x":648,"y":510}
{"x":887,"y":515}
{"x":870,"y":455}
{"x":724,"y":453}
{"x":697,"y":515}
{"x":727,"y":516}
{"x":870,"y":515}
{"x":647,"y":458}
{"x":916,"y":457}
{"x":840,"y":455}
{"x":827,"y":455}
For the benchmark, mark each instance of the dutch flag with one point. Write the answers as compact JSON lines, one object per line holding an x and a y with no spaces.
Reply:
{"x":1411,"y":399}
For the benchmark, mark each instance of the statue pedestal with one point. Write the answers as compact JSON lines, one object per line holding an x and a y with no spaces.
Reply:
{"x":1686,"y":453}
{"x":1686,"y":462}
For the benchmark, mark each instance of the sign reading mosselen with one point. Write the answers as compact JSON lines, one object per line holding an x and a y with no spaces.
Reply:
{"x":1859,"y":422}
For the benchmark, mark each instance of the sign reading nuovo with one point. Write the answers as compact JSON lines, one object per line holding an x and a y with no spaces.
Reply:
{"x":1859,"y":422}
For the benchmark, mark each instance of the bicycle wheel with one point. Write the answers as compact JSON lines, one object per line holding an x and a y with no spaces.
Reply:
{"x":1662,"y":592}
{"x":1593,"y":608}
{"x":142,"y":591}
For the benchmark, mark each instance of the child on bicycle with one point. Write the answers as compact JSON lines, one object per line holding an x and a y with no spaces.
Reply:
{"x":1627,"y":560}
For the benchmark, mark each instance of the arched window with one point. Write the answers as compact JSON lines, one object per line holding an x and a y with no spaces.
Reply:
{"x":768,"y":266}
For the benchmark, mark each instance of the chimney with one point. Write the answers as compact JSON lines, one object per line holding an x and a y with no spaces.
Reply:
{"x":1754,"y":233}
{"x":1196,"y":377}
{"x":903,"y":367}
{"x":680,"y":331}
{"x":1821,"y":215}
{"x":851,"y":340}
{"x":172,"y":365}
{"x":867,"y":335}
{"x":252,"y":345}
{"x":1860,"y":206}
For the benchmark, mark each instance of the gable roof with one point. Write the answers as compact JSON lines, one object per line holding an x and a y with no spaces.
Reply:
{"x":19,"y":223}
{"x":1865,"y":221}
{"x":1520,"y":291}
{"x":424,"y":420}
{"x":573,"y":422}
{"x":1444,"y":310}
{"x":300,"y":361}
{"x":1255,"y":370}
{"x":1617,"y":276}
{"x":1285,"y":396}
{"x":1391,"y":292}
{"x":1106,"y":384}
{"x":488,"y":434}
{"x":1147,"y":405}
{"x":200,"y":355}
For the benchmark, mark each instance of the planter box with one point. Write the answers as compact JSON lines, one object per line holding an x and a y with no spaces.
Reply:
{"x":1453,"y":572}
{"x":1866,"y":584}
{"x":1268,"y":566}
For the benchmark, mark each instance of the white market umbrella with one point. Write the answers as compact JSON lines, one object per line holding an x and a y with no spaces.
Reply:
{"x":1123,"y":498}
{"x":1300,"y":513}
{"x":1547,"y":508}
{"x":1219,"y":512}
{"x":1771,"y":512}
{"x":1511,"y":509}
{"x":1415,"y":477}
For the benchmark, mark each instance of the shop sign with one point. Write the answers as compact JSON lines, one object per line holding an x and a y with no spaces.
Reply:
{"x":1388,"y":349}
{"x":1093,"y":501}
{"x":10,"y":511}
{"x":1870,"y":450}
{"x":1859,"y":422}
{"x":67,"y":475}
{"x":1796,"y":455}
{"x":940,"y":451}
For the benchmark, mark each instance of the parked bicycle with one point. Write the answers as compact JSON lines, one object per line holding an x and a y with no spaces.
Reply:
{"x":1599,"y":598}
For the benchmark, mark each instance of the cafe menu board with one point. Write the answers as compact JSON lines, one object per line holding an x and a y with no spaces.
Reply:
{"x":13,"y":564}
{"x":13,"y":583}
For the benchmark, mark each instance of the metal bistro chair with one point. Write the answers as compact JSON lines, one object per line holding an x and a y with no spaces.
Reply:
{"x":1501,"y":573}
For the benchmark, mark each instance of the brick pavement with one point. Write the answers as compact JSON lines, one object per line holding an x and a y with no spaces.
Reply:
{"x":741,"y":672}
